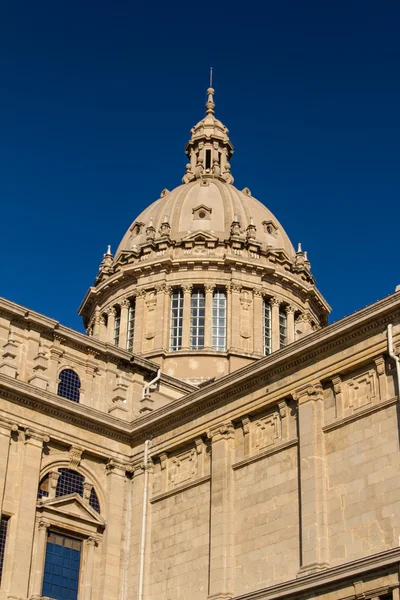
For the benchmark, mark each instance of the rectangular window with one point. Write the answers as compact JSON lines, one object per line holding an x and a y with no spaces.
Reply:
{"x":117,"y":325}
{"x":267,"y":326}
{"x":3,"y":537}
{"x":61,"y":569}
{"x":282,"y":328}
{"x":130,"y":328}
{"x":176,"y":321}
{"x":197,"y":313}
{"x":219,"y":321}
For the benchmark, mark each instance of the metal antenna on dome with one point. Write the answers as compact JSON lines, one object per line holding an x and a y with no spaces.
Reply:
{"x":211,"y":74}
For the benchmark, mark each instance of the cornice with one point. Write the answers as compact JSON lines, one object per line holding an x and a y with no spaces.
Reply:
{"x":256,"y":457}
{"x":180,"y":488}
{"x":310,"y":583}
{"x":359,"y":414}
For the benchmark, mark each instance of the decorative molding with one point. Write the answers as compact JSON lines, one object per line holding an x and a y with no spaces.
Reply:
{"x":180,"y":488}
{"x":360,"y":414}
{"x":265,"y":453}
{"x":75,"y":456}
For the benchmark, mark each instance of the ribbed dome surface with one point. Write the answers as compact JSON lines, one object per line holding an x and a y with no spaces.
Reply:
{"x":222,"y":203}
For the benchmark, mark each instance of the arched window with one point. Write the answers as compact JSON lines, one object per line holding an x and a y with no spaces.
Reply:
{"x":69,"y":385}
{"x":69,"y":482}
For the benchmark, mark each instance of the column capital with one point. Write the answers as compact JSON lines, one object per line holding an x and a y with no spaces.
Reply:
{"x":289,"y":309}
{"x":274,"y":301}
{"x":141,"y":293}
{"x":7,"y":427}
{"x":312,"y":391}
{"x":116,"y":467}
{"x":258,"y":292}
{"x":222,"y":431}
{"x":236,"y":287}
{"x":92,"y":541}
{"x":187,"y":288}
{"x":125,"y":303}
{"x":161,"y":288}
{"x":31,"y":435}
{"x":209,"y":287}
{"x":42,"y":524}
{"x":111,"y":311}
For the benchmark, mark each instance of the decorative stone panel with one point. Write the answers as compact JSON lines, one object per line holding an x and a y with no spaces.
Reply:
{"x":182,"y":466}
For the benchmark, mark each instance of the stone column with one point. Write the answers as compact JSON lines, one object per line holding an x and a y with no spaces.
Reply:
{"x":312,"y":468}
{"x":258,"y":325}
{"x":111,"y":563}
{"x":161,"y":325}
{"x":25,"y":518}
{"x":5,"y":441}
{"x":96,"y":325}
{"x":39,"y":557}
{"x":125,"y":304}
{"x":209,"y":291}
{"x":235,"y":316}
{"x":111,"y":312}
{"x":87,"y":582}
{"x":275,"y":345}
{"x":221,"y":513}
{"x":187,"y":298}
{"x":103,"y":328}
{"x":290,"y":324}
{"x":139,"y":314}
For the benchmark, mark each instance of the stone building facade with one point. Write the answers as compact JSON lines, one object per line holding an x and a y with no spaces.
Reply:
{"x":211,"y":437}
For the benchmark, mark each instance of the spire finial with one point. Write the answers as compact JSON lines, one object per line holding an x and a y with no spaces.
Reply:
{"x":210,"y":106}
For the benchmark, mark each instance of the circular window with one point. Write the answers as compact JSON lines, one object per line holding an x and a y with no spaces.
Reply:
{"x":202,"y":214}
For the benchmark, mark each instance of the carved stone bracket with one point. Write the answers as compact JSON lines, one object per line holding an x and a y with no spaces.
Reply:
{"x":75,"y":457}
{"x":222,"y":431}
{"x":311,"y":391}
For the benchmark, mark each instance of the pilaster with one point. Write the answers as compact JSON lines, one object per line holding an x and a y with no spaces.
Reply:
{"x":87,"y":582}
{"x":111,"y":560}
{"x":139,"y":314}
{"x":111,"y":312}
{"x":161,"y":325}
{"x":6,"y":430}
{"x":209,"y":291}
{"x":187,"y":297}
{"x":290,"y":324}
{"x":25,"y":518}
{"x":258,"y":326}
{"x":221,"y":513}
{"x":235,"y":313}
{"x":38,"y":559}
{"x":312,"y":468}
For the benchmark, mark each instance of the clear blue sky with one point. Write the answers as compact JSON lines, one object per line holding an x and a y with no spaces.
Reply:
{"x":98,"y":97}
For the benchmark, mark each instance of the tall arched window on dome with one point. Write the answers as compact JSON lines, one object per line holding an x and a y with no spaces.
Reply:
{"x":219,"y":321}
{"x":197,"y":319}
{"x":130,"y":328}
{"x":69,"y":385}
{"x":282,"y":327}
{"x":176,"y":320}
{"x":267,"y":326}
{"x":117,"y":324}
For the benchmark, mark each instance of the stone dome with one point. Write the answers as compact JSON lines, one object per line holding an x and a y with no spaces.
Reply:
{"x":205,"y":279}
{"x":208,"y":205}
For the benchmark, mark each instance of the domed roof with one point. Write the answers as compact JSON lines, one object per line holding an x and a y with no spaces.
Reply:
{"x":212,"y":206}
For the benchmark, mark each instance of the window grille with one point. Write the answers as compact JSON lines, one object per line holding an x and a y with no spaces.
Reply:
{"x":176,"y":321}
{"x":130,"y":326}
{"x":282,"y":328}
{"x":69,"y":385}
{"x":94,"y":501}
{"x":267,"y":326}
{"x":117,"y":325}
{"x":219,"y":321}
{"x":69,"y":482}
{"x":61,"y":569}
{"x":3,"y":537}
{"x":197,"y":315}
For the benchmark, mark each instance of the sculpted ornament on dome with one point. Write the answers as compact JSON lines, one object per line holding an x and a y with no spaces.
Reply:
{"x":216,"y":171}
{"x":189,"y":175}
{"x":227,"y":175}
{"x":199,"y":170}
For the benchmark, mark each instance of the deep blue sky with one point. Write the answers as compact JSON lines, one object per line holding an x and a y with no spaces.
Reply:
{"x":98,"y":97}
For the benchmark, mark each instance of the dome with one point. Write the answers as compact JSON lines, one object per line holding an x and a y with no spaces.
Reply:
{"x":211,"y":206}
{"x":205,"y":280}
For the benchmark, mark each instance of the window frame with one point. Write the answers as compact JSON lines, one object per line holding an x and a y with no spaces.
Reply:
{"x":267,"y":327}
{"x":176,"y":322}
{"x":130,"y":325}
{"x":197,"y":315}
{"x":219,"y":313}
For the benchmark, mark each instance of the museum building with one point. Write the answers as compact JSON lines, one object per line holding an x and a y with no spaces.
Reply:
{"x":211,"y":436}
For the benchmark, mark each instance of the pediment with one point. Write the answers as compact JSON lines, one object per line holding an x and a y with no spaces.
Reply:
{"x":200,"y":236}
{"x":72,"y":506}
